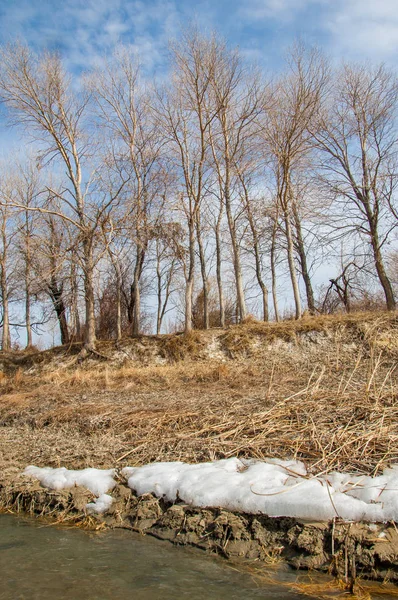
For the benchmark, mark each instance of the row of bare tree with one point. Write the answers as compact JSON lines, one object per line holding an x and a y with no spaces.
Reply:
{"x":198,"y":193}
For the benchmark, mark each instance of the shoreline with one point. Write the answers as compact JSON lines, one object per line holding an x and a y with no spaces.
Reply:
{"x":342,"y":549}
{"x":323,"y":391}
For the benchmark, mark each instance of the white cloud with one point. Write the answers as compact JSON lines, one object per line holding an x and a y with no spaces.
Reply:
{"x":364,"y":28}
{"x":86,"y":31}
{"x":285,"y":10}
{"x":348,"y":28}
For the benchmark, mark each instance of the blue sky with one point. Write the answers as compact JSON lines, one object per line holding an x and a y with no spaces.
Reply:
{"x":83,"y":30}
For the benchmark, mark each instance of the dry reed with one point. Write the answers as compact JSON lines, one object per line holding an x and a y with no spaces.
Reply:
{"x":323,"y":391}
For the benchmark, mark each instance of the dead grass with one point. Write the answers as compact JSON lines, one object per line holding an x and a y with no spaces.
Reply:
{"x":177,"y":347}
{"x":329,"y":400}
{"x":363,"y":325}
{"x":317,"y":587}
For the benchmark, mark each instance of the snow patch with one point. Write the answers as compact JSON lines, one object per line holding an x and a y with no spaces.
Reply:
{"x":98,"y":481}
{"x":273,"y":487}
{"x":100,"y":504}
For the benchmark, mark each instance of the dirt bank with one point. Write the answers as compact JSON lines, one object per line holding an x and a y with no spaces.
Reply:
{"x":346,"y":550}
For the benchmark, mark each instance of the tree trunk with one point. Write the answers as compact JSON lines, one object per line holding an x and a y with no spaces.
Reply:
{"x":190,"y":279}
{"x":256,"y":248}
{"x":240,"y":294}
{"x":56,"y":295}
{"x":28,"y":319}
{"x":292,"y":268}
{"x":118,"y":302}
{"x":89,"y":334}
{"x":28,"y":259}
{"x":137,"y":305}
{"x":159,"y":299}
{"x":221,"y":300}
{"x":63,"y":324}
{"x":202,"y":260}
{"x":285,"y":201}
{"x":134,"y":305}
{"x":159,"y":289}
{"x":372,"y":218}
{"x":6,"y":340}
{"x":303,"y":261}
{"x":273,"y":269}
{"x":381,"y":272}
{"x":75,"y":317}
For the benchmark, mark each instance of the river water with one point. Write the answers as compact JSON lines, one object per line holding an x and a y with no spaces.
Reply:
{"x":42,"y":562}
{"x":39,"y":561}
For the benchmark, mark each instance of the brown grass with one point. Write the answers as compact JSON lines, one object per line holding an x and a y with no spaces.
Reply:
{"x":328,"y":400}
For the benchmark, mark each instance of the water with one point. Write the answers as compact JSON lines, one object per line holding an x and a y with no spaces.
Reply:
{"x":42,"y":562}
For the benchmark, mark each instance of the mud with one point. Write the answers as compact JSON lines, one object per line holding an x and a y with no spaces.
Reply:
{"x":346,"y":550}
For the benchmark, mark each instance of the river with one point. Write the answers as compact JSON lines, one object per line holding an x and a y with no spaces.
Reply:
{"x":43,"y":562}
{"x":40,"y":561}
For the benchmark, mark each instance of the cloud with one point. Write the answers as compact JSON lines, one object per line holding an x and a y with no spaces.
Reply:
{"x":364,"y":28}
{"x":353,"y":29}
{"x":278,"y":10}
{"x":84,"y":31}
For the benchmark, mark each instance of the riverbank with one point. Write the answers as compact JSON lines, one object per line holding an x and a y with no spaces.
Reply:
{"x":322,"y":390}
{"x":345,"y":550}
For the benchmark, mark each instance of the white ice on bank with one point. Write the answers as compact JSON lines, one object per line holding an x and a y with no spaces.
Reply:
{"x":98,"y":481}
{"x":273,"y":487}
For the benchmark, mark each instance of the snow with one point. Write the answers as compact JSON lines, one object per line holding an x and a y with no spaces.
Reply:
{"x":272,"y":487}
{"x":98,"y":481}
{"x":100,"y":504}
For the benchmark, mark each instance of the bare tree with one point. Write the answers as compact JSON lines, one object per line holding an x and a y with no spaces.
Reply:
{"x":288,"y":141}
{"x":357,"y":134}
{"x":27,"y":188}
{"x":7,"y":235}
{"x":238,"y":101}
{"x":185,"y":117}
{"x":168,"y":237}
{"x":274,"y":218}
{"x":216,"y":213}
{"x":124,"y":108}
{"x":40,"y":96}
{"x":50,"y":253}
{"x":255,"y":225}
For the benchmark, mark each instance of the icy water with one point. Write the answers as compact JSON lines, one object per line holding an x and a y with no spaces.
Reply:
{"x":42,"y":562}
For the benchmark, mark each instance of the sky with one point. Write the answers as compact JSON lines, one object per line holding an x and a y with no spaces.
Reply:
{"x":83,"y":30}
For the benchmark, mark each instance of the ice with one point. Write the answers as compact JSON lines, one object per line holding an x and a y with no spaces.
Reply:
{"x":273,"y":487}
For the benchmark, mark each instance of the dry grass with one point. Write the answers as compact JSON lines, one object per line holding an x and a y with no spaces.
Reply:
{"x":329,"y":399}
{"x":318,"y":585}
